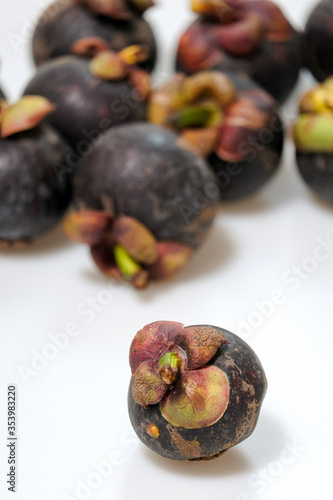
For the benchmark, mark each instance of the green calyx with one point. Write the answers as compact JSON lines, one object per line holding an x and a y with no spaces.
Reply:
{"x":313,"y":133}
{"x":170,"y":358}
{"x":169,"y":366}
{"x":127,"y":265}
{"x":196,"y":116}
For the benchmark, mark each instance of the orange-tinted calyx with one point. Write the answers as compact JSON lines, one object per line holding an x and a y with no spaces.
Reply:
{"x":25,"y":114}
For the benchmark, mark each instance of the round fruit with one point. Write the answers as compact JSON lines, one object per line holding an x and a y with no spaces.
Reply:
{"x":318,"y":36}
{"x":250,"y":37}
{"x":143,"y":203}
{"x":313,"y":135}
{"x":228,"y":119}
{"x":91,"y":96}
{"x":195,"y":392}
{"x":32,"y":197}
{"x":83,"y":27}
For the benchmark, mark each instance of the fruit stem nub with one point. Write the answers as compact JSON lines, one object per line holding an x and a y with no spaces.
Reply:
{"x":169,"y":365}
{"x":127,"y":265}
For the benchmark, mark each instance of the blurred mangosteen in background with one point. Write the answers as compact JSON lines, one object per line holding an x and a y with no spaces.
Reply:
{"x":195,"y":392}
{"x":142,"y":203}
{"x":85,"y":27}
{"x":313,"y":136}
{"x":249,"y":37}
{"x":2,"y":95}
{"x":32,"y":197}
{"x":238,"y":131}
{"x":318,"y":39}
{"x":94,"y":95}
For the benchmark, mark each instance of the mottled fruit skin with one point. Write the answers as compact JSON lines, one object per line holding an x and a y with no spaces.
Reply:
{"x":139,"y":170}
{"x":248,"y":386}
{"x":86,"y":105}
{"x":318,"y":39}
{"x":32,"y":196}
{"x":63,"y":24}
{"x":317,"y":171}
{"x":275,"y":66}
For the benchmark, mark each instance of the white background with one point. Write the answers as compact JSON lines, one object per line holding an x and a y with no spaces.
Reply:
{"x":72,"y":413}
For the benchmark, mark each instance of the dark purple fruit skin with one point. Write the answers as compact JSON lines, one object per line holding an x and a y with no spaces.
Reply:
{"x":140,"y":171}
{"x":317,"y":171}
{"x":275,"y":66}
{"x":248,"y":386}
{"x":86,"y":105}
{"x":64,"y":24}
{"x":318,"y":39}
{"x":238,"y":180}
{"x":32,"y":196}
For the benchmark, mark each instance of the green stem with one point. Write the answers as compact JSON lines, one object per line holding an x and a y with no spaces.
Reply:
{"x":196,"y":116}
{"x":127,"y":265}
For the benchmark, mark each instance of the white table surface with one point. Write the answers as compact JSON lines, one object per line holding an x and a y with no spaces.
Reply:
{"x":72,"y":412}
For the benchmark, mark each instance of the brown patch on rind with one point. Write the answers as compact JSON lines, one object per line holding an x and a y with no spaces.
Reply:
{"x":89,"y":46}
{"x":188,"y":449}
{"x":14,"y":244}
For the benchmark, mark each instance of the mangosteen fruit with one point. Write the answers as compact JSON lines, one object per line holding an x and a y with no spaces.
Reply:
{"x":91,"y":96}
{"x":228,"y":119}
{"x":143,"y":203}
{"x":318,"y":40}
{"x":249,"y":37}
{"x":83,"y":27}
{"x":313,"y":136}
{"x":195,"y":391}
{"x":32,"y":197}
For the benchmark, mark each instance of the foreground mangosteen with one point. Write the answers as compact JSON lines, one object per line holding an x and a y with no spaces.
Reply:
{"x":195,"y":392}
{"x":313,"y":136}
{"x":84,"y":27}
{"x":228,"y":119}
{"x":143,"y":203}
{"x":249,"y":37}
{"x":318,"y":37}
{"x":32,"y":197}
{"x":92,"y":96}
